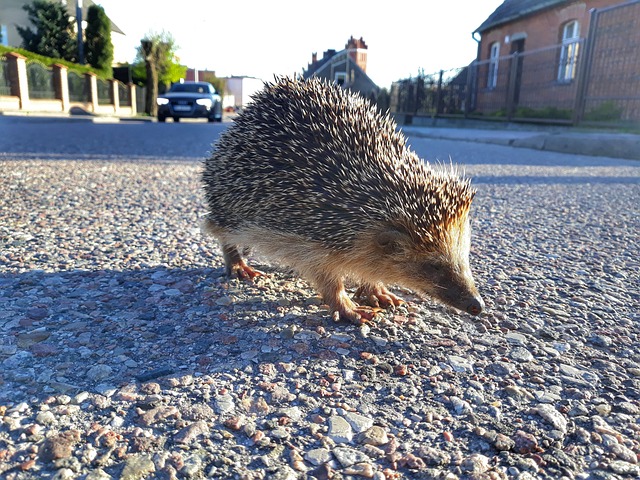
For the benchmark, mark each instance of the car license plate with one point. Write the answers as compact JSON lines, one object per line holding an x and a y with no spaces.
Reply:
{"x":181,"y":108}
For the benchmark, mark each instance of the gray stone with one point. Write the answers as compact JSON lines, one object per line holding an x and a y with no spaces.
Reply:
{"x":460,"y":364}
{"x":516,"y":338}
{"x":224,"y":404}
{"x":340,"y":430}
{"x":98,"y":373}
{"x":553,"y":417}
{"x":137,"y":467}
{"x":318,"y":456}
{"x":359,"y":423}
{"x":521,"y":354}
{"x":349,"y":456}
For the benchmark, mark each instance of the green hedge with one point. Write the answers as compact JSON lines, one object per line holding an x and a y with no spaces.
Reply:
{"x":48,"y":61}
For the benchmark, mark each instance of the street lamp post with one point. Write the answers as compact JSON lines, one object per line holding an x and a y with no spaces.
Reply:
{"x":79,"y":28}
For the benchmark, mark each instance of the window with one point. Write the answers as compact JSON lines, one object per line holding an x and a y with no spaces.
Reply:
{"x":494,"y":54}
{"x":3,"y":36}
{"x":340,"y":78}
{"x":569,"y":52}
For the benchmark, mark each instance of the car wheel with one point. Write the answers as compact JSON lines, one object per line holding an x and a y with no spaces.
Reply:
{"x":211,"y":119}
{"x":162,"y":119}
{"x":176,"y":119}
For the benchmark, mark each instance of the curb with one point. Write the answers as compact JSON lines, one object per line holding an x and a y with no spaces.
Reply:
{"x":623,"y":145}
{"x":88,"y":117}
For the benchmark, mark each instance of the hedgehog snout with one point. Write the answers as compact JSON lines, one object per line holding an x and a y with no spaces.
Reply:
{"x":475,"y":305}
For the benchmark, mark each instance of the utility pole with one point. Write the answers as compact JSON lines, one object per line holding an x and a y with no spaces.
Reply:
{"x":79,"y":28}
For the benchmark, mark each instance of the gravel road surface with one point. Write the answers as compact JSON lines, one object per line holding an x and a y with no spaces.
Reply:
{"x":127,"y":354}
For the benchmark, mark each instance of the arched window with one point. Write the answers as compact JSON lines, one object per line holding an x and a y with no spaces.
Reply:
{"x":569,"y":51}
{"x":494,"y":55}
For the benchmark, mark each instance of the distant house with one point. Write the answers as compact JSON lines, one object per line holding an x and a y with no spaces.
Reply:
{"x":12,"y":14}
{"x":347,"y":68}
{"x":239,"y":90}
{"x":549,"y":37}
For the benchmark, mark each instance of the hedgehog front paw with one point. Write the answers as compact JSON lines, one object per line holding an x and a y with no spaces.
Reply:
{"x":377,"y":296}
{"x":357,"y":315}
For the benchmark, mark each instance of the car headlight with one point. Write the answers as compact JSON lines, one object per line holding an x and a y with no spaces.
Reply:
{"x":162,"y":101}
{"x":205,"y":101}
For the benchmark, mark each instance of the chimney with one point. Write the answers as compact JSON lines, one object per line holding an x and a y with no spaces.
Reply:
{"x":314,"y":57}
{"x":357,"y":51}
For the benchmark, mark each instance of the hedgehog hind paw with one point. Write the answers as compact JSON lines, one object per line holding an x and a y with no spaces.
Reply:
{"x":377,"y":296}
{"x":242,"y":271}
{"x":236,"y":267}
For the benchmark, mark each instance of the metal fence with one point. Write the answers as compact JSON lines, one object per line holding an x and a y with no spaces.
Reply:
{"x":104,"y":92}
{"x":40,"y":81}
{"x":124,"y":95}
{"x":593,"y":79}
{"x":611,"y":77}
{"x":5,"y":84}
{"x":141,"y":95}
{"x":78,"y":88}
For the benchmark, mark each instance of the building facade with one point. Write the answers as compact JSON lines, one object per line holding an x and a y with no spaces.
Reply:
{"x":549,"y":38}
{"x":347,"y":67}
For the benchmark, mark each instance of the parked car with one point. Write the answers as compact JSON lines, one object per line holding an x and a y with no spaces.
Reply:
{"x":190,"y":100}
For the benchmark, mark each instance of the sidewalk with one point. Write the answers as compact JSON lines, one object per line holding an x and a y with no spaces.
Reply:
{"x":605,"y":144}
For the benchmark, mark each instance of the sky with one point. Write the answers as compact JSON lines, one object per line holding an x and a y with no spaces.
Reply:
{"x":260,"y":38}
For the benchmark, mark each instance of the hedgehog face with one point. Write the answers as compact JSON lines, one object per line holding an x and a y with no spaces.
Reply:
{"x":438,"y":268}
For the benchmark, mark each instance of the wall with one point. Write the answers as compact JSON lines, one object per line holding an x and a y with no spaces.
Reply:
{"x":540,"y":59}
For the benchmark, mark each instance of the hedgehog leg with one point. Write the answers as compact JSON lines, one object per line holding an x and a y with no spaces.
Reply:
{"x":342,"y":307}
{"x":377,"y":295}
{"x":235,"y":266}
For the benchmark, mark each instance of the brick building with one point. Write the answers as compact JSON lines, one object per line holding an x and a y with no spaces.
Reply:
{"x":549,"y":37}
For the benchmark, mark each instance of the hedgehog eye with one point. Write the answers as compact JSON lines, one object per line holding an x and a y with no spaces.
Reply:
{"x":432,"y":269}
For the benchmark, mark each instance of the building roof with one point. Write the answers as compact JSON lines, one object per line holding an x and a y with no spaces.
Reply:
{"x":512,"y":10}
{"x":71,"y":10}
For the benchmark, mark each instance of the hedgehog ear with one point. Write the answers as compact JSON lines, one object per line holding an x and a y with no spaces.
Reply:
{"x":390,"y":240}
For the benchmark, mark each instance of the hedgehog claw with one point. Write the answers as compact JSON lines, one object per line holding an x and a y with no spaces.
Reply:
{"x":378,"y":296}
{"x":357,"y":315}
{"x":243,"y":271}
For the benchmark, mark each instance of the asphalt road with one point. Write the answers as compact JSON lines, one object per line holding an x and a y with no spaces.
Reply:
{"x":125,"y":351}
{"x":44,"y":137}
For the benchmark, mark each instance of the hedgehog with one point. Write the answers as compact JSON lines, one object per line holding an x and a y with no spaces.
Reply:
{"x":313,"y":176}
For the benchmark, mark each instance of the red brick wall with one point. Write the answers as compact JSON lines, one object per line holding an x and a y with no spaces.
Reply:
{"x":543,"y":29}
{"x":539,"y":85}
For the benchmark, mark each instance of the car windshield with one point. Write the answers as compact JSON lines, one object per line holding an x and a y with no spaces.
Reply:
{"x":190,"y":87}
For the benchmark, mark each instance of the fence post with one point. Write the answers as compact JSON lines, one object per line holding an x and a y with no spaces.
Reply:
{"x":438,"y":109}
{"x":584,"y":69}
{"x":61,"y":85}
{"x":115,"y":95}
{"x":132,"y":99}
{"x":511,"y":89}
{"x":468,"y":98}
{"x":91,"y":79}
{"x":17,"y":66}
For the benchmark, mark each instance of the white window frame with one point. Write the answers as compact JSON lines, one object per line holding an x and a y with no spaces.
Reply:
{"x":340,"y":78}
{"x":568,"y":65}
{"x":494,"y":55}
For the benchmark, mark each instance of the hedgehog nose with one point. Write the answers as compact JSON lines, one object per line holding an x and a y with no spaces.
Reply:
{"x":475,"y":305}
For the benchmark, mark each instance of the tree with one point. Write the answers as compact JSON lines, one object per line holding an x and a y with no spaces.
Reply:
{"x":53,"y":35}
{"x":164,"y":54}
{"x":97,"y":45}
{"x":161,"y":66}
{"x":148,"y":50}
